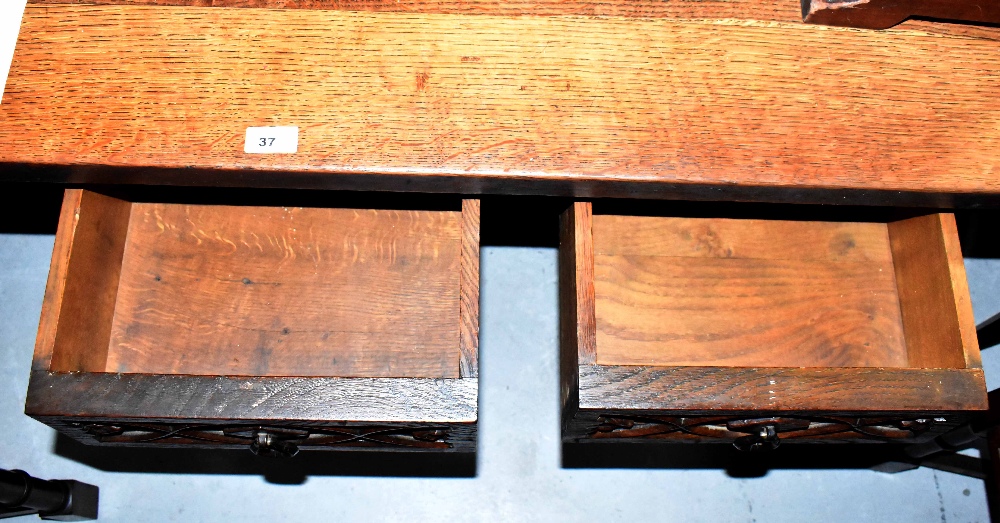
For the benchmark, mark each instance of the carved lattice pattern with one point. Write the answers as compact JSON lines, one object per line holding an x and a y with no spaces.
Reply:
{"x":323,"y":436}
{"x":787,"y":427}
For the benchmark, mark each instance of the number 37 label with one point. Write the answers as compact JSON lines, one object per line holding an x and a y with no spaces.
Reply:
{"x":272,"y":140}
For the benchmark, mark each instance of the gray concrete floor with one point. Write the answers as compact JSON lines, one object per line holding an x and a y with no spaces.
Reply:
{"x":518,"y":474}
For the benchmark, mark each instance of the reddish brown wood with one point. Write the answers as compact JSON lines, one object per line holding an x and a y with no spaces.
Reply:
{"x":934,"y":298}
{"x":258,"y":291}
{"x":469,"y":313}
{"x":90,"y":289}
{"x":883,"y":14}
{"x":55,"y":287}
{"x":583,"y":237}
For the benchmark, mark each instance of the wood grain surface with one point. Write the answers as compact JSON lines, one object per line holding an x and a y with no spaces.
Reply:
{"x":688,"y":102}
{"x":269,"y":291}
{"x":883,"y":14}
{"x":745,"y":293}
{"x":717,"y":389}
{"x":55,"y":286}
{"x":164,"y":397}
{"x":586,"y":322}
{"x":934,"y":297}
{"x":469,"y":305}
{"x":621,"y":235}
{"x":91,"y":284}
{"x":683,"y":9}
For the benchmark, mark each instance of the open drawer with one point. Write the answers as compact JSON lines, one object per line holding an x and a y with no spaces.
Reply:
{"x":756,"y":330}
{"x":274,"y":327}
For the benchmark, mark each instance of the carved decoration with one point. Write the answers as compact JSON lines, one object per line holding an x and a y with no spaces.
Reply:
{"x":785,"y":427}
{"x":242,"y":434}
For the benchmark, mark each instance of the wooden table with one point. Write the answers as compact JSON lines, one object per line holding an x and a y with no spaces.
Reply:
{"x":717,"y":100}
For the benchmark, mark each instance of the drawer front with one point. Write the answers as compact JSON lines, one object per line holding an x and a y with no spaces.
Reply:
{"x":272,"y":438}
{"x":751,"y":431}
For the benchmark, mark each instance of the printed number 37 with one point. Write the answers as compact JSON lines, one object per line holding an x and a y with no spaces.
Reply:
{"x":266,"y":142}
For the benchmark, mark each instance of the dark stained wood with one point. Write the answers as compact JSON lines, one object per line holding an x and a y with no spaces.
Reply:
{"x":166,"y":397}
{"x":464,"y":183}
{"x":262,"y":291}
{"x":682,"y":9}
{"x":730,"y":427}
{"x":934,"y":298}
{"x":341,"y":436}
{"x":91,"y":284}
{"x":569,"y":339}
{"x":219,"y":434}
{"x":744,"y":293}
{"x":754,"y":106}
{"x":715,"y":389}
{"x":469,"y":313}
{"x":883,"y":14}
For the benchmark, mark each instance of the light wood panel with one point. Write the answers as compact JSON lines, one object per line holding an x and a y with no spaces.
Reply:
{"x":561,"y":98}
{"x":745,"y":293}
{"x":694,"y":9}
{"x":268,"y":291}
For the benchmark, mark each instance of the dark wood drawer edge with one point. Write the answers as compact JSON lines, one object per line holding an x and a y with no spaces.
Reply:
{"x":713,"y":389}
{"x":727,"y":427}
{"x":154,"y":396}
{"x":233,"y":435}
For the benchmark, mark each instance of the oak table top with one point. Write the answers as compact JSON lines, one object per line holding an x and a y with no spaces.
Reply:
{"x":712,"y":100}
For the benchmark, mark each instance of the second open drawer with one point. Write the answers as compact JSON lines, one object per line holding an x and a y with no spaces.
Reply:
{"x":702,"y":328}
{"x":277,"y":326}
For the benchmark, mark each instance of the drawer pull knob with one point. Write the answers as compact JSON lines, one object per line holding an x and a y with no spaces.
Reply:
{"x":764,"y":438}
{"x":266,"y":444}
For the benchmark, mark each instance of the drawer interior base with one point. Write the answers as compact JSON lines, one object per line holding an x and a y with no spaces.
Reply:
{"x":676,"y":286}
{"x":175,"y":288}
{"x":714,"y":291}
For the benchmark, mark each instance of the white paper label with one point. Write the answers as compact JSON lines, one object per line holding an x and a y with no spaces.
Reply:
{"x":272,"y":140}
